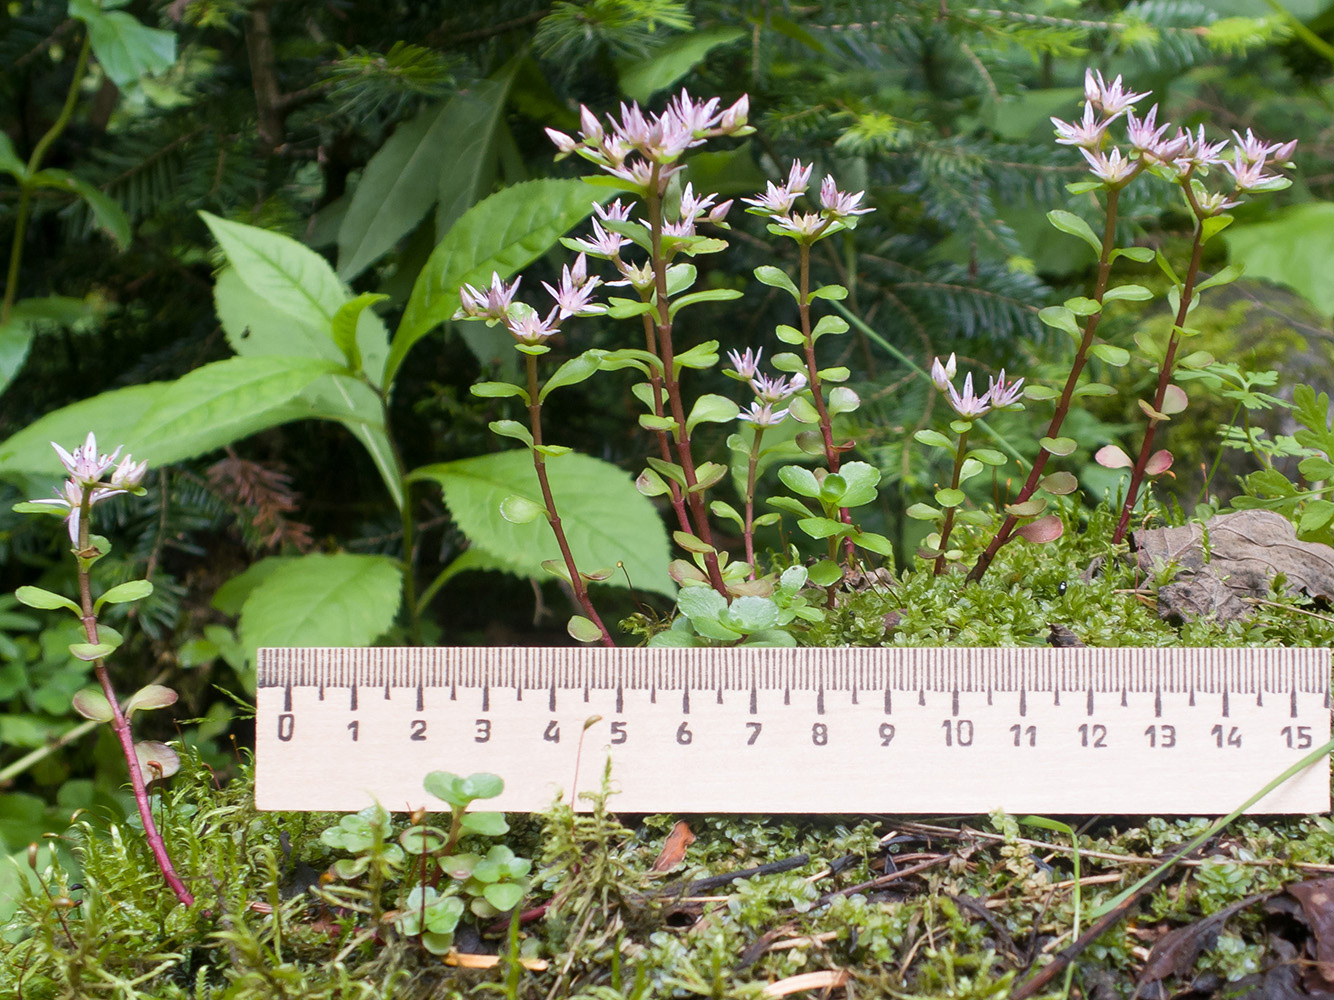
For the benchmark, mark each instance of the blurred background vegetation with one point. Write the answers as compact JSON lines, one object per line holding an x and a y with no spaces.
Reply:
{"x":269,"y":113}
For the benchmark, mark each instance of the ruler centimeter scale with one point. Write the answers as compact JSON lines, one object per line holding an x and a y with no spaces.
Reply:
{"x":848,"y":730}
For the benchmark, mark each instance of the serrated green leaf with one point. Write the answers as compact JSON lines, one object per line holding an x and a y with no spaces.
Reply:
{"x":321,"y":599}
{"x":501,"y":234}
{"x":125,"y":49}
{"x":605,"y":519}
{"x":645,"y":76}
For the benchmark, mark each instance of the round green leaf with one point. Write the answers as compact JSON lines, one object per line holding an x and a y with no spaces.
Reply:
{"x":949,"y":497}
{"x":504,"y":896}
{"x":93,"y":704}
{"x":583,"y":629}
{"x":520,"y":510}
{"x":1060,"y":445}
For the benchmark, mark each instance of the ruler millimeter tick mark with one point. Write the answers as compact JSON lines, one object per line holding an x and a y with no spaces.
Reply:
{"x":1166,"y":731}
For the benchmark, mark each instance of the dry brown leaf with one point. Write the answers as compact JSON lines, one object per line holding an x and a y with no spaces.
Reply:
{"x":674,"y":849}
{"x":1317,"y":899}
{"x":826,"y":979}
{"x":1245,"y":551}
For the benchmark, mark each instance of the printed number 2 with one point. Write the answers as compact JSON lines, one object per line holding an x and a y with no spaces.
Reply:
{"x":419,"y":730}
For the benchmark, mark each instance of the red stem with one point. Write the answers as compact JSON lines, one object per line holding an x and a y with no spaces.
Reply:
{"x":120,"y":724}
{"x":694,"y":498}
{"x":749,"y":531}
{"x":664,"y":442}
{"x":1164,"y":373}
{"x":553,"y":519}
{"x":1006,"y":532}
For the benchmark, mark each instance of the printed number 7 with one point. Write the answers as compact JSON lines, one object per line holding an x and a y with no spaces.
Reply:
{"x":754,"y":728}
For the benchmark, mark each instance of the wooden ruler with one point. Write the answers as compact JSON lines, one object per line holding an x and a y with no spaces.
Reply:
{"x":853,"y":730}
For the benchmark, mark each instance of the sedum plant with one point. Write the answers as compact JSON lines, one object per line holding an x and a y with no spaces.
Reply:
{"x":92,"y":478}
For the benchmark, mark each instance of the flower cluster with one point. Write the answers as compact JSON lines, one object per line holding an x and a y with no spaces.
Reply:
{"x":1001,"y":394}
{"x":838,"y":209}
{"x":1179,"y":156}
{"x":86,"y":468}
{"x":770,"y":392}
{"x":641,"y":146}
{"x":573,"y":297}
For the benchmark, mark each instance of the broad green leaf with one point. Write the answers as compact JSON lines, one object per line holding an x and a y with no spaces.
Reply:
{"x":149,"y":697}
{"x":512,"y":429}
{"x":131,"y":590}
{"x":643,"y":77}
{"x":114,"y":414}
{"x":1068,"y":222}
{"x":1060,"y":445}
{"x":338,"y":599}
{"x":1129,"y":293}
{"x":949,"y":497}
{"x":583,"y":629}
{"x":751,"y":614}
{"x":1062,"y":319}
{"x":92,"y":704}
{"x":1294,"y":250}
{"x":572,"y":372}
{"x":604,"y":517}
{"x":1118,"y":357}
{"x":861,"y":479}
{"x":125,"y":48}
{"x":1226,"y":276}
{"x":501,"y":234}
{"x":9,"y":158}
{"x":286,"y":274}
{"x":1059,"y":483}
{"x":706,"y":295}
{"x":1141,"y":255}
{"x":701,"y":602}
{"x":843,"y":400}
{"x":776,"y":277}
{"x":799,"y":480}
{"x":15,"y":343}
{"x":711,"y":408}
{"x":520,"y":510}
{"x":221,"y":402}
{"x":933,"y":439}
{"x":254,"y":326}
{"x":1214,"y":225}
{"x":482,"y":140}
{"x":108,"y":214}
{"x":345,"y":323}
{"x":36,"y":597}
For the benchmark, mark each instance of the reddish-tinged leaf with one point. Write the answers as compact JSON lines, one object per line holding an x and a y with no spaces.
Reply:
{"x":825,"y":979}
{"x":1174,"y":399}
{"x":1159,"y":462}
{"x":674,"y":849}
{"x":1044,"y":529}
{"x":1111,"y":457}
